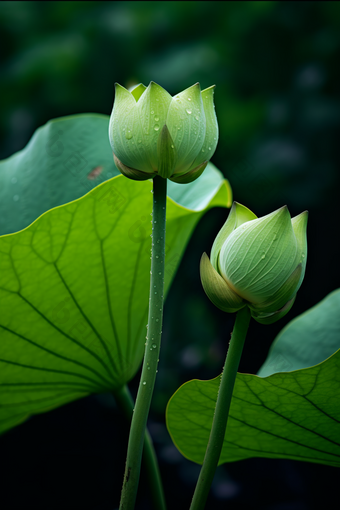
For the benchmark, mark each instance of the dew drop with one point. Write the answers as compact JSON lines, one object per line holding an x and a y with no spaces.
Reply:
{"x":196,"y":117}
{"x":156,"y":118}
{"x":263,"y":256}
{"x":144,"y":383}
{"x":16,"y":198}
{"x":128,"y":134}
{"x":172,"y":146}
{"x":139,"y":141}
{"x":157,"y":320}
{"x":189,"y":98}
{"x":188,"y":111}
{"x":156,"y":128}
{"x":203,"y":150}
{"x":154,"y":346}
{"x":14,"y":180}
{"x":303,"y":255}
{"x":148,"y":368}
{"x":157,"y":257}
{"x":152,"y":112}
{"x":209,"y":148}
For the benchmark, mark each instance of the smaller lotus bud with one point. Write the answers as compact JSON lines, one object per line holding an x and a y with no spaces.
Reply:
{"x":152,"y":133}
{"x":257,"y":262}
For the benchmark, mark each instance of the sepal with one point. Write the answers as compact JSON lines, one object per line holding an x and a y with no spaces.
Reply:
{"x":190,"y":176}
{"x":217,"y":290}
{"x":270,"y":318}
{"x":131,"y":173}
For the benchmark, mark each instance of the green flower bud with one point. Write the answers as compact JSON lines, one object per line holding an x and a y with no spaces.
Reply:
{"x":257,"y":262}
{"x":152,"y":133}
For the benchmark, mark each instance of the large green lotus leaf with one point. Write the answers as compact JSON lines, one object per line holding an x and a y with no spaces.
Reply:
{"x":74,"y":285}
{"x":290,"y":415}
{"x":307,"y":340}
{"x":64,"y":160}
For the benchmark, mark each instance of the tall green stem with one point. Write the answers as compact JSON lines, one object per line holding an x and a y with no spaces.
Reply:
{"x":126,"y":404}
{"x":152,"y":347}
{"x":219,"y":424}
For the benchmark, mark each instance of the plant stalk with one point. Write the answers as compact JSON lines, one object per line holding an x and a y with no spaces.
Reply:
{"x":126,"y":404}
{"x":220,"y":419}
{"x":152,"y":347}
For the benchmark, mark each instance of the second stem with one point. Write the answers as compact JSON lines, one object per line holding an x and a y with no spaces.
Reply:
{"x":152,"y":347}
{"x":220,"y":419}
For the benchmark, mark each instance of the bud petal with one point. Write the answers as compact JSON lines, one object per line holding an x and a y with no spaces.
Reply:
{"x":211,"y":132}
{"x":166,"y":153}
{"x":259,"y":256}
{"x":238,"y":215}
{"x":217,"y":290}
{"x":282,"y":296}
{"x":152,"y":109}
{"x":138,"y":91}
{"x":299,"y":224}
{"x":186,"y":123}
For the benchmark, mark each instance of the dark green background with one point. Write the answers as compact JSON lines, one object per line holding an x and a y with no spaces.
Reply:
{"x":277,"y":75}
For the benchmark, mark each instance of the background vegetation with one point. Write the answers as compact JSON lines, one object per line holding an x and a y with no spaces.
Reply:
{"x":276,"y":68}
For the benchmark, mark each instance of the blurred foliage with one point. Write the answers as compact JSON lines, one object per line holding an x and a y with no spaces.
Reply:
{"x":276,"y":68}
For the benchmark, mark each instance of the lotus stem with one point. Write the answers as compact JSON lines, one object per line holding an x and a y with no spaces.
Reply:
{"x":126,"y":404}
{"x":152,"y":348}
{"x":220,"y":419}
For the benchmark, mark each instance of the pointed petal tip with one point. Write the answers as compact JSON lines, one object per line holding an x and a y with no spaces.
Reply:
{"x":119,"y":86}
{"x":282,"y":211}
{"x":209,"y":89}
{"x":195,"y":86}
{"x":304,"y":214}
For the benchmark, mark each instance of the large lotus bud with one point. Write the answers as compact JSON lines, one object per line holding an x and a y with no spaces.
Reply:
{"x":153,"y":133}
{"x":257,"y":262}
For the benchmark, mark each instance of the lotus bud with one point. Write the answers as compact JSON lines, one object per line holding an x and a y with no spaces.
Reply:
{"x":152,"y":133}
{"x":257,"y":262}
